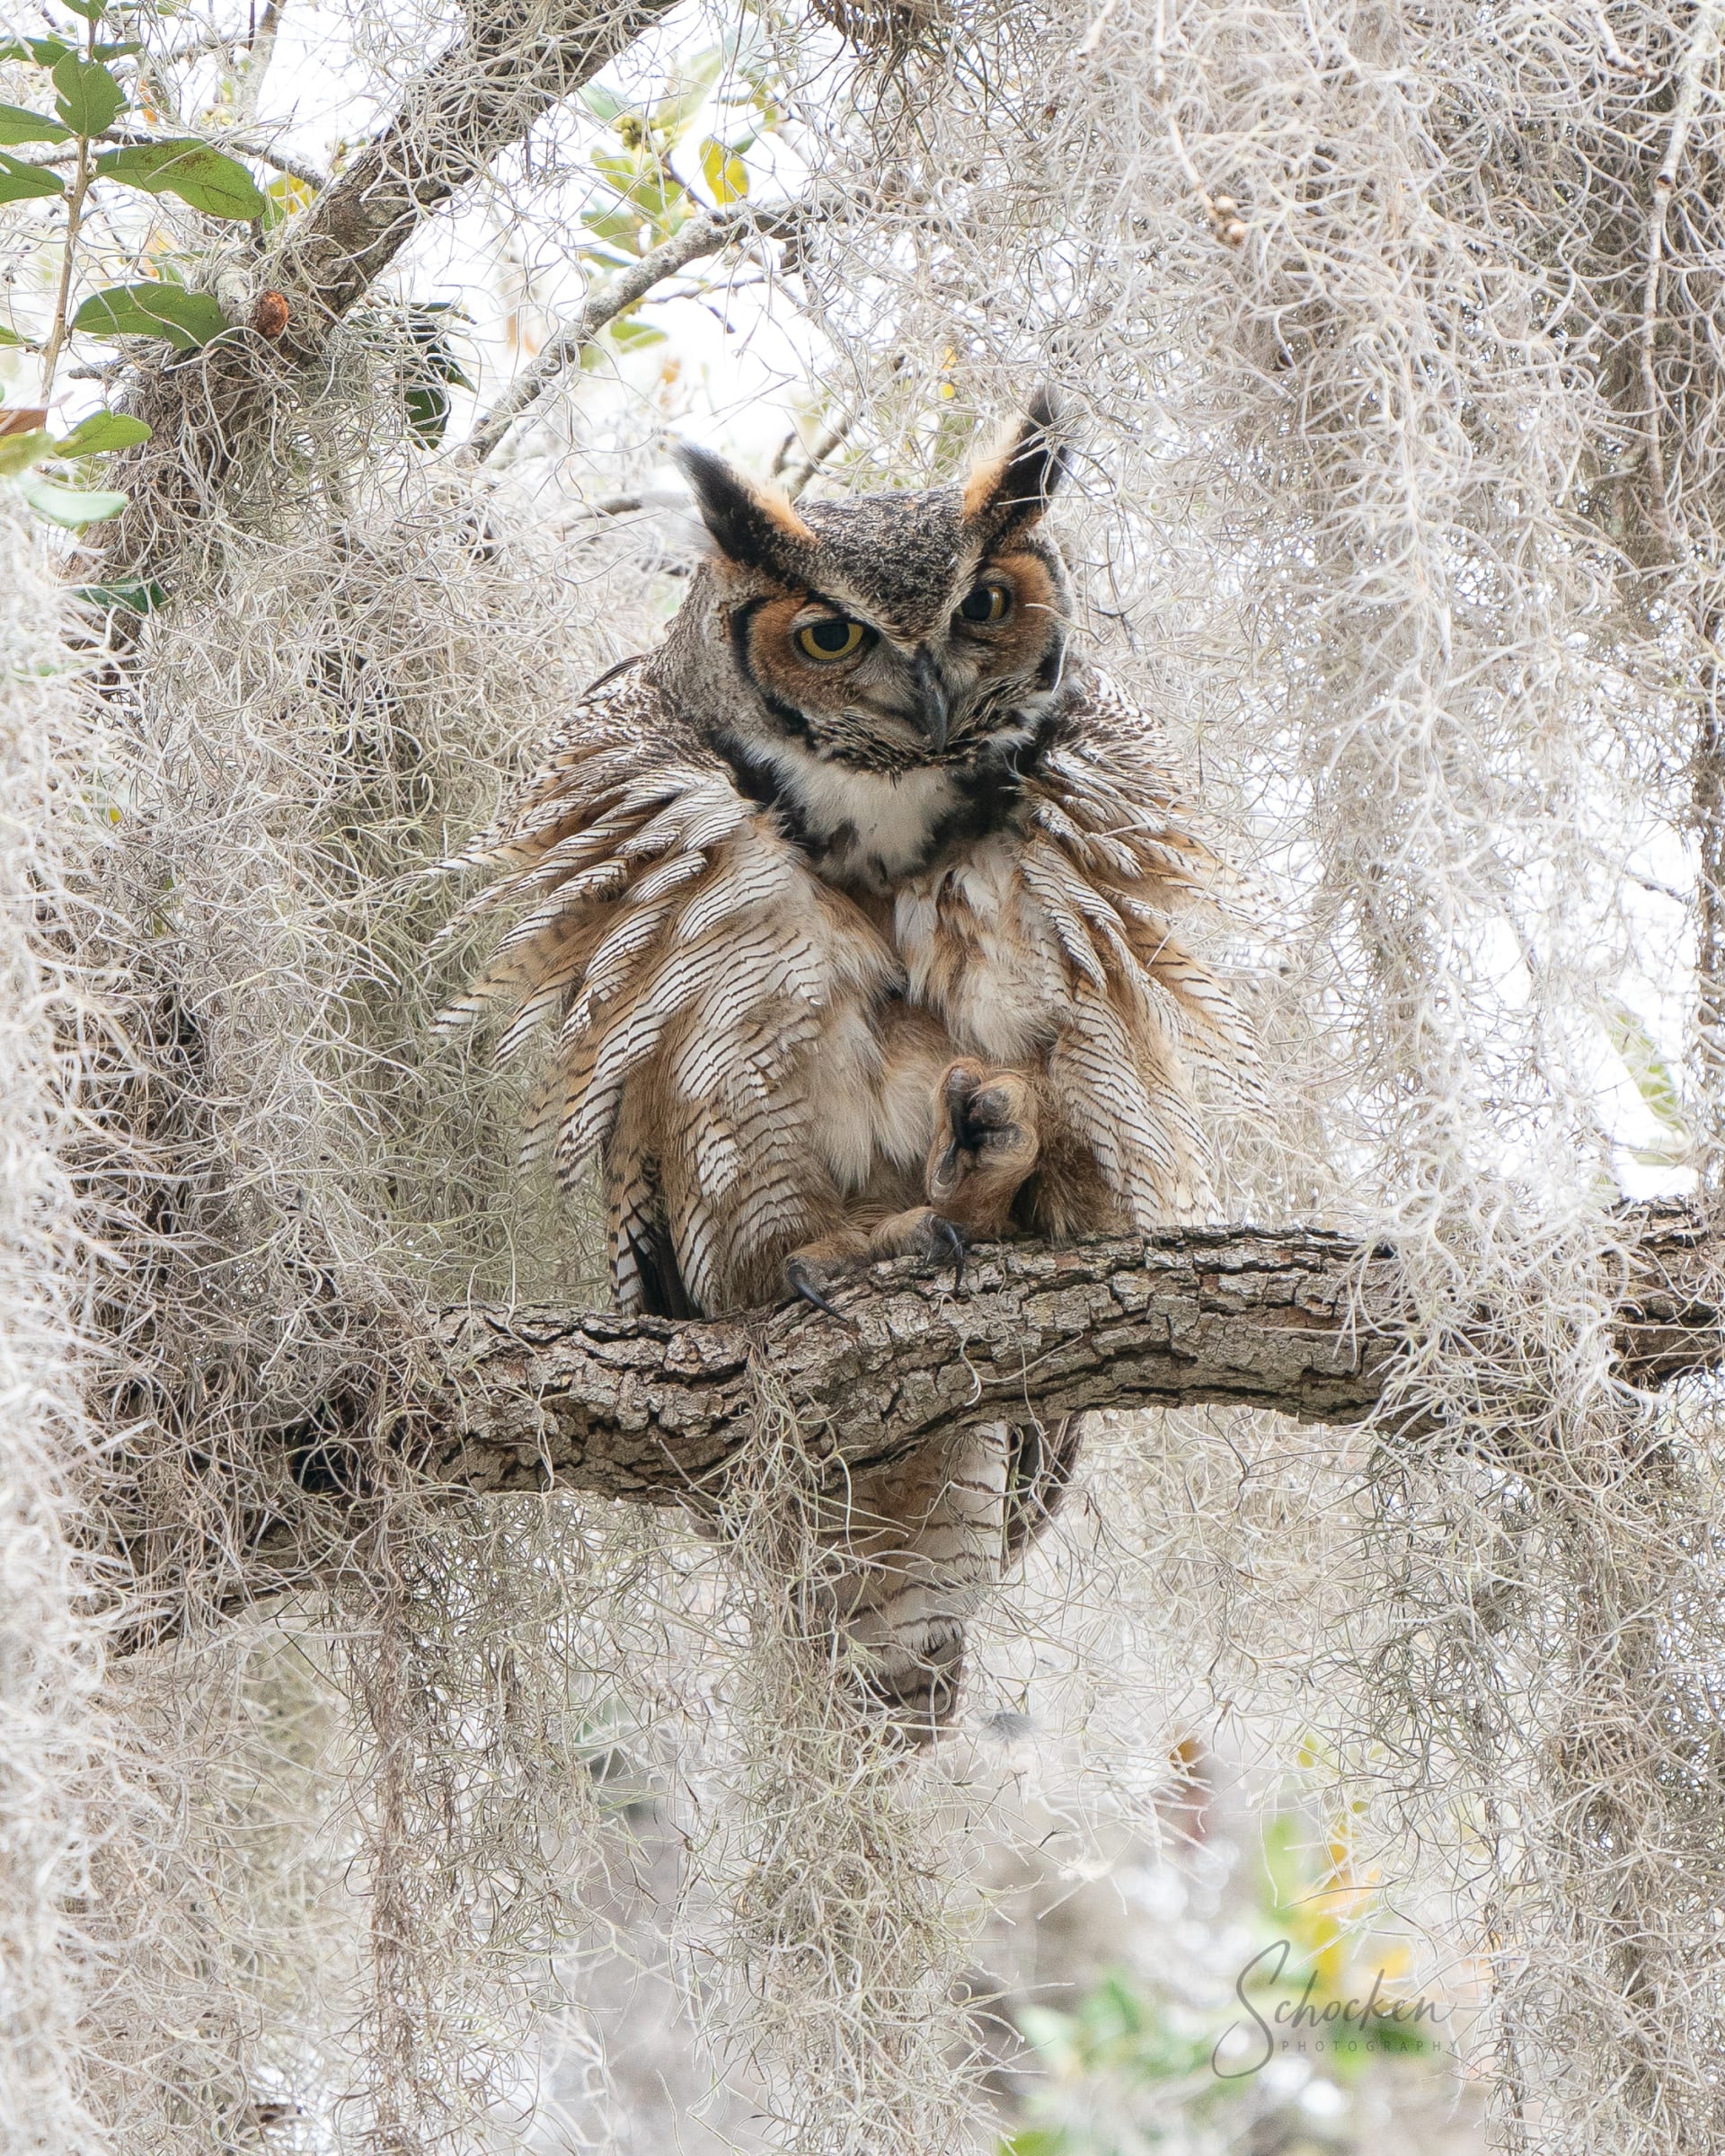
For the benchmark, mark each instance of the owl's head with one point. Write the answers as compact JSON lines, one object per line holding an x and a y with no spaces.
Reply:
{"x":888,"y":633}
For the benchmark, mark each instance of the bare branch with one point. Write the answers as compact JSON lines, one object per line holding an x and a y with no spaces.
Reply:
{"x":248,"y":77}
{"x":1298,"y":1319}
{"x":483,"y":96}
{"x":703,"y":236}
{"x":800,"y":473}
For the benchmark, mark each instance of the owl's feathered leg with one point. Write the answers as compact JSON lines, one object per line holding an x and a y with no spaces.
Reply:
{"x":918,"y":1232}
{"x":986,"y":1144}
{"x":1040,"y":1468}
{"x":919,"y":1545}
{"x":917,"y":1548}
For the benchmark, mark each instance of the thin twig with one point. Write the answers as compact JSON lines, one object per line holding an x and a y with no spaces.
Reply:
{"x":68,"y":253}
{"x":703,"y":236}
{"x":248,"y":77}
{"x":798,"y":477}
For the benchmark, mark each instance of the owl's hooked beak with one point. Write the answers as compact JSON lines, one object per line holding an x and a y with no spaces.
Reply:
{"x":932,"y":707}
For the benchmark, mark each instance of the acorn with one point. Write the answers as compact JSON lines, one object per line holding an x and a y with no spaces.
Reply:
{"x":269,"y":317}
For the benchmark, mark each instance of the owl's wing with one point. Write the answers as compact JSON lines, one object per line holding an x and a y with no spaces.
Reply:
{"x":1108,"y":864}
{"x":692,"y":965}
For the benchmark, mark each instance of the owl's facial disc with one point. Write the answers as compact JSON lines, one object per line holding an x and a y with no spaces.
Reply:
{"x":863,"y":686}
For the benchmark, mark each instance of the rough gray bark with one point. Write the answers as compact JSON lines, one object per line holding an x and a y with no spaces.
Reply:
{"x":1298,"y":1319}
{"x":517,"y":62}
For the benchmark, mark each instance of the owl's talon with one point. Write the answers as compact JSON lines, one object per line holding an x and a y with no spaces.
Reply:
{"x":984,"y":1147}
{"x":797,"y":1274}
{"x":948,"y":1233}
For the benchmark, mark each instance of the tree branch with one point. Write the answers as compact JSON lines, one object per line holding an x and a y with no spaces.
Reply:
{"x":519,"y":60}
{"x":1301,"y":1320}
{"x":483,"y":96}
{"x":702,"y":235}
{"x":646,"y":1410}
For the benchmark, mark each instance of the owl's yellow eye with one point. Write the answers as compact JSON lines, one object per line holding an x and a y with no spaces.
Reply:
{"x":827,"y":641}
{"x":987,"y":603}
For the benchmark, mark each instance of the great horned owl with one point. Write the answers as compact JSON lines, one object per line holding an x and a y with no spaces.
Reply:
{"x":850,"y":906}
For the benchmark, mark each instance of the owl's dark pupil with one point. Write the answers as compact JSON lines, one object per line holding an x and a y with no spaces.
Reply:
{"x":830,"y":636}
{"x":986,"y":602}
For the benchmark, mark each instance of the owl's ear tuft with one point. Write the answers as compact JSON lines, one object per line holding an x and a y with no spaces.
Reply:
{"x":757,"y":527}
{"x":1013,"y":485}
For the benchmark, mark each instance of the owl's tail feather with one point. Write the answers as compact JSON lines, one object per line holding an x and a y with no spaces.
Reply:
{"x":920,"y":1546}
{"x":916,"y":1689}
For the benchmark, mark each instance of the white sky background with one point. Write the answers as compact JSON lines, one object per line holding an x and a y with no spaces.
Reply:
{"x":737,"y":367}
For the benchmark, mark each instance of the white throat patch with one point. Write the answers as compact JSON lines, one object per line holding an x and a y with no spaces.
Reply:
{"x":883,"y":821}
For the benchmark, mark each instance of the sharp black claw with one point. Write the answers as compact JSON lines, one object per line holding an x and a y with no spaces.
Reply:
{"x":810,"y":1292}
{"x":954,"y":1242}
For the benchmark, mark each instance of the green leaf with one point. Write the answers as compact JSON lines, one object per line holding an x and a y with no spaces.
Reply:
{"x":91,"y":10}
{"x":673,"y":113}
{"x":42,"y":51}
{"x":48,"y":52}
{"x":69,"y":505}
{"x":634,"y":336}
{"x":431,"y":369}
{"x":725,"y":173}
{"x":220,"y":186}
{"x":428,"y":412}
{"x":20,"y":181}
{"x":623,"y":171}
{"x":641,"y":183}
{"x":284,"y":197}
{"x":158,"y":309}
{"x":101,"y":432}
{"x":11,"y":336}
{"x":89,"y":100}
{"x":439,"y":364}
{"x":601,"y":105}
{"x":18,"y":452}
{"x":1628,"y":1034}
{"x":123,"y":598}
{"x":617,"y":227}
{"x":19,"y":125}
